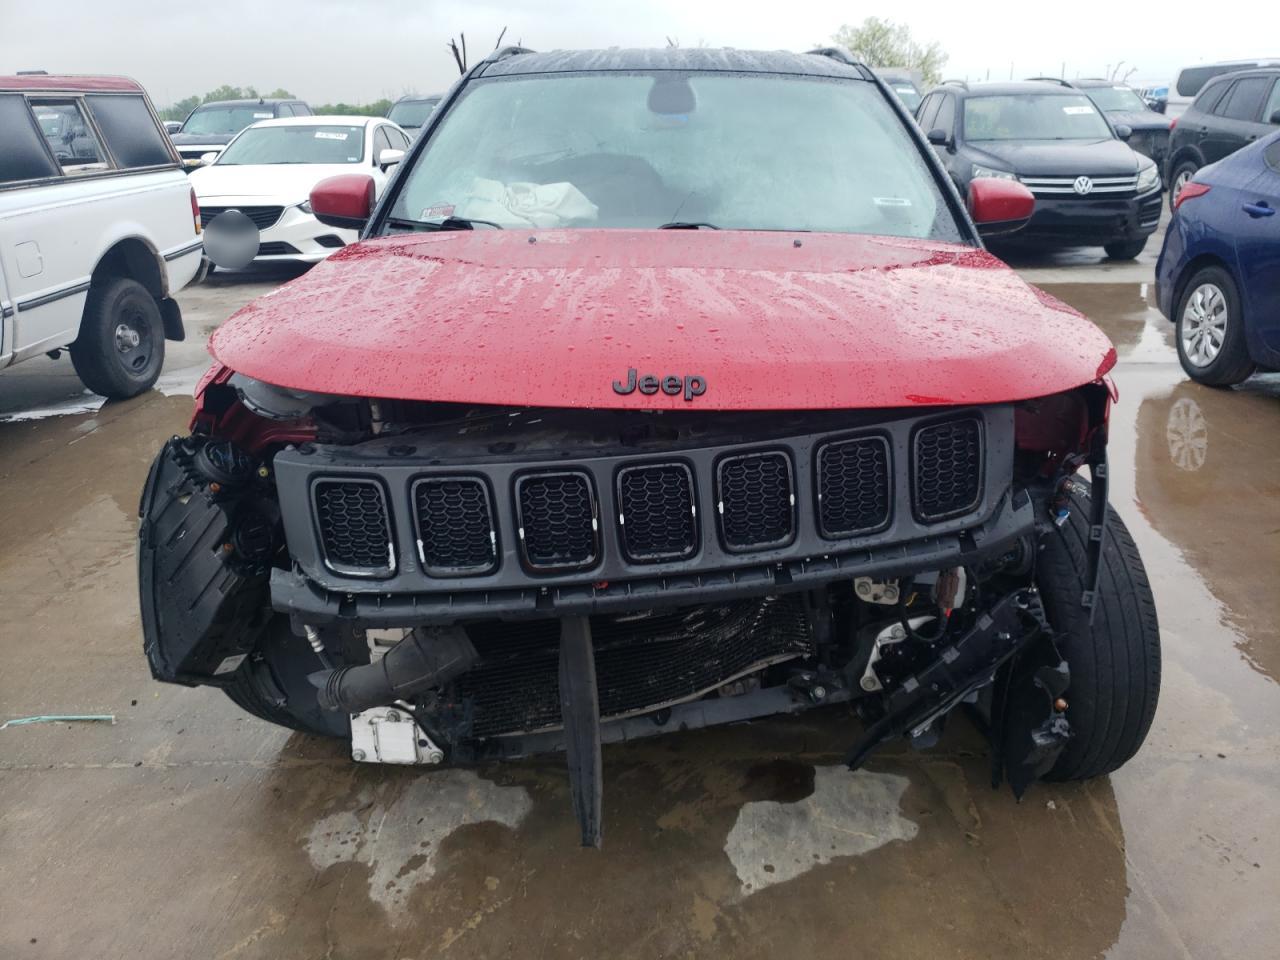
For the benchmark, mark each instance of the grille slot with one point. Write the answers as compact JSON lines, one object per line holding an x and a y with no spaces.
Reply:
{"x":355,"y":527}
{"x":853,"y":486}
{"x":276,"y":248}
{"x":262,"y":217}
{"x":640,"y":663}
{"x":657,"y":513}
{"x":557,"y":516}
{"x":947,"y":479}
{"x":756,"y":500}
{"x":456,"y":534}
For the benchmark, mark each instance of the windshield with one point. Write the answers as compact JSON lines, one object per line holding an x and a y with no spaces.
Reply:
{"x":1033,"y":116}
{"x":296,"y":144}
{"x":1115,"y":99}
{"x":412,"y":113}
{"x":747,"y":152}
{"x":224,"y":120}
{"x":908,"y":95}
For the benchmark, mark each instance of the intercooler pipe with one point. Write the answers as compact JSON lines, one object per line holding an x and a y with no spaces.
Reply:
{"x":425,"y":658}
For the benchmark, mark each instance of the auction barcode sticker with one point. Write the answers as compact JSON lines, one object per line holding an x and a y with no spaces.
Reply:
{"x":327,"y":135}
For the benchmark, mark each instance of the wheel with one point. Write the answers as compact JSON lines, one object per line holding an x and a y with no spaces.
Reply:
{"x":120,"y":348}
{"x":1183,"y":172}
{"x":1125,"y":249}
{"x":1115,"y":663}
{"x":1210,"y":330}
{"x":273,"y":686}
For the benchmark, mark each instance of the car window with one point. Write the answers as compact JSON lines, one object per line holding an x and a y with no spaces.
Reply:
{"x":1118,"y":98}
{"x":67,"y":131}
{"x":23,"y":155}
{"x":641,"y":149}
{"x":310,"y":143}
{"x":1273,"y":103}
{"x":301,"y":110}
{"x":1035,"y":116}
{"x":398,"y":138}
{"x":411,"y":113}
{"x":928,"y":110}
{"x":380,"y":142}
{"x":226,"y":119}
{"x":130,"y":130}
{"x":946,"y":118}
{"x":1245,"y":100}
{"x":284,"y":110}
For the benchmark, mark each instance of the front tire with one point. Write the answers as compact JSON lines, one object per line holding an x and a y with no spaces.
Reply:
{"x":120,"y":348}
{"x":1115,"y":662}
{"x":1210,"y":330}
{"x":1125,"y":249}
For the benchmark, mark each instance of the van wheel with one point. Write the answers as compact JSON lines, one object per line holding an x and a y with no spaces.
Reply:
{"x":1210,"y":330}
{"x":1125,"y":249}
{"x":1182,"y":173}
{"x":1115,"y":661}
{"x":120,"y":349}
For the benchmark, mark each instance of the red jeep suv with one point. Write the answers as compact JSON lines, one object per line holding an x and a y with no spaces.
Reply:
{"x":664,"y":389}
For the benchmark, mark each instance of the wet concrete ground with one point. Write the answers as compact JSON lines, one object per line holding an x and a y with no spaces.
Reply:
{"x":188,"y":829}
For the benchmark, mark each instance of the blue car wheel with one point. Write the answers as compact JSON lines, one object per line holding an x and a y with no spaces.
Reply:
{"x":1210,"y":330}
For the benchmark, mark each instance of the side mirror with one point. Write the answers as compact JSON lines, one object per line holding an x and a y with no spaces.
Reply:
{"x":999,"y":206}
{"x":1275,"y":117}
{"x":344,"y":201}
{"x":1124,"y":131}
{"x":207,"y":158}
{"x":938,"y":137}
{"x":389,"y":158}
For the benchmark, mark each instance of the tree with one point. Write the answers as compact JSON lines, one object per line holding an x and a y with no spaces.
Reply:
{"x":883,"y":43}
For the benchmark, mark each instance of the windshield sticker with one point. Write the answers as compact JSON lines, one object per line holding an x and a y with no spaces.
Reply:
{"x":327,"y":135}
{"x":1076,"y":111}
{"x":262,"y":116}
{"x":437,"y":211}
{"x":891,"y":201}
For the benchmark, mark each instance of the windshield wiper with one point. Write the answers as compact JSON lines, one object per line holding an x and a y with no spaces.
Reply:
{"x":445,"y":223}
{"x":688,"y":225}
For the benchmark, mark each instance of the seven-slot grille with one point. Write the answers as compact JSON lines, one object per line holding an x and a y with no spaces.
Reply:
{"x":456,"y":534}
{"x":262,"y":217}
{"x":1066,"y":186}
{"x":853,"y":486}
{"x":355,"y":528}
{"x":557,"y":520}
{"x":756,"y":500}
{"x":947,"y":479}
{"x":657,"y":513}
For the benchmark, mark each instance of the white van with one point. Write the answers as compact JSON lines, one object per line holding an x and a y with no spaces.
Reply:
{"x":99,"y":228}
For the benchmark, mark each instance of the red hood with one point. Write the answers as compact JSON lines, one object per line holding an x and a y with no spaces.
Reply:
{"x":554,"y":318}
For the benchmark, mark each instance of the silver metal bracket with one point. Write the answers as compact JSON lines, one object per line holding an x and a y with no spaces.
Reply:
{"x":876,"y":591}
{"x":391,"y":735}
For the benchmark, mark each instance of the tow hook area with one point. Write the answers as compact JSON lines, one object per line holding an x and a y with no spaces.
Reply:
{"x":1028,"y":726}
{"x":391,"y":735}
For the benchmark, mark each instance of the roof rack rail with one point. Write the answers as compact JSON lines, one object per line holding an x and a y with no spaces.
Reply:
{"x":1058,"y":80}
{"x":841,"y":55}
{"x":962,"y":84}
{"x":509,"y":51}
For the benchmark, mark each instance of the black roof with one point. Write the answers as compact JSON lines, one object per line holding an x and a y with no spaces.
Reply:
{"x":255,"y":101}
{"x":672,"y":58}
{"x":420,"y":98}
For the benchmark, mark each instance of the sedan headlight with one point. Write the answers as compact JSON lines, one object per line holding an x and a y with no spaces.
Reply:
{"x":981,"y":171}
{"x":305,"y":206}
{"x":1148,"y":178}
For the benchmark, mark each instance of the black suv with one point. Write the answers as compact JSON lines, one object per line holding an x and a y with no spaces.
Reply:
{"x":1091,"y":188}
{"x":210,"y":126}
{"x":1125,"y":108}
{"x":1230,"y":112}
{"x":412,"y":112}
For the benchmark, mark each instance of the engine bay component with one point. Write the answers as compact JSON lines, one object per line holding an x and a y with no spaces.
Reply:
{"x":876,"y":591}
{"x":425,"y":658}
{"x":391,"y":735}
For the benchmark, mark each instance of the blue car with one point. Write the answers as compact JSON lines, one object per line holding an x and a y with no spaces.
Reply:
{"x":1218,"y":277}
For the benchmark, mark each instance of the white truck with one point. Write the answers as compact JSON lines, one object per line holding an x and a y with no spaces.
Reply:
{"x":99,"y":228}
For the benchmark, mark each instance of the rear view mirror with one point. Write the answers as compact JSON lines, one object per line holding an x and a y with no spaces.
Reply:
{"x":1275,"y":117}
{"x":1124,"y":131}
{"x":999,"y":206}
{"x":344,"y":201}
{"x":207,"y":158}
{"x":389,"y":158}
{"x":938,"y":137}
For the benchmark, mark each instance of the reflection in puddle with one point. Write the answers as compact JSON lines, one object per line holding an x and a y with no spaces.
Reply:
{"x":1187,"y":433}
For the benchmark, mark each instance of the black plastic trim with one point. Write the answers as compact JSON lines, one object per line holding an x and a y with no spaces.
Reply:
{"x":529,"y":564}
{"x":932,"y":518}
{"x":344,"y":569}
{"x":494,"y":536}
{"x":635,"y":556}
{"x":817,"y":485}
{"x":791,"y":484}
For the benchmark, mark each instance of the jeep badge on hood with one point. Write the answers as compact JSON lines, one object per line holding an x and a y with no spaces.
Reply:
{"x":672,"y":384}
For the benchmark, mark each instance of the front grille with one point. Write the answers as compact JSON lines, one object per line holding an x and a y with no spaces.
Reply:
{"x":1149,"y":211}
{"x":947,"y":462}
{"x":355,"y":529}
{"x":656,"y":512}
{"x":853,"y":486}
{"x":756,"y":500}
{"x":262,"y":217}
{"x":330,"y":240}
{"x":641,"y":663}
{"x":276,"y":248}
{"x":456,"y":535}
{"x":1065,"y":187}
{"x":557,"y":516}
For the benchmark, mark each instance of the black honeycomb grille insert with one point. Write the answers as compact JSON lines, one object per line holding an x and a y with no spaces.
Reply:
{"x":355,"y":528}
{"x":557,"y":516}
{"x":641,"y":662}
{"x":947,"y":466}
{"x":656,"y":512}
{"x":756,"y":500}
{"x":854,"y":494}
{"x":262,"y":217}
{"x":455,"y":526}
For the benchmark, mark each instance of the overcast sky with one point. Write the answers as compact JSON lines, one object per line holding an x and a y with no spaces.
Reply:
{"x":359,"y":50}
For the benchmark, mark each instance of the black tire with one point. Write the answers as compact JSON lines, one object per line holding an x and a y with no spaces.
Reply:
{"x":120,"y":348}
{"x":1232,"y":363}
{"x":1185,"y":169}
{"x":273,"y":686}
{"x":1115,"y":663}
{"x":1125,"y":249}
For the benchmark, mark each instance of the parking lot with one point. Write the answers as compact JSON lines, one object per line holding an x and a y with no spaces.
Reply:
{"x":188,"y":829}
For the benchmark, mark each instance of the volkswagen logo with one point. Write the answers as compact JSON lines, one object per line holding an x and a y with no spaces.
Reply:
{"x":1083,"y":185}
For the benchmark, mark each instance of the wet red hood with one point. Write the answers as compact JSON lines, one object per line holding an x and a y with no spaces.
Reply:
{"x":555,"y":318}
